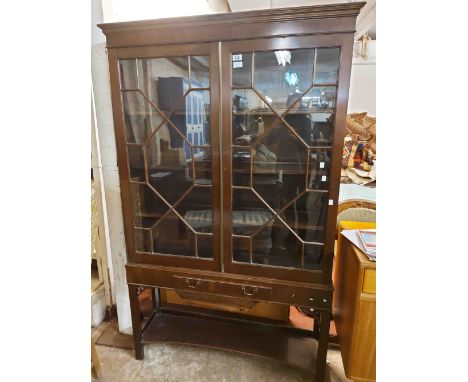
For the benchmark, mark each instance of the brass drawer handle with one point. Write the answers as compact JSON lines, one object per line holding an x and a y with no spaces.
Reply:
{"x":251,"y":293}
{"x":191,"y":283}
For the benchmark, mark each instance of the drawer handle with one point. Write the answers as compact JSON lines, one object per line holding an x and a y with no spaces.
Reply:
{"x":191,"y":283}
{"x":251,"y":293}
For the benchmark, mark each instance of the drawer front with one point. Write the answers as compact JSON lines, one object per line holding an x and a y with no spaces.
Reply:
{"x":369,"y":283}
{"x":222,"y":288}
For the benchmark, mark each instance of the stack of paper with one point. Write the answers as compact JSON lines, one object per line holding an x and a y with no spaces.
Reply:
{"x":365,"y":240}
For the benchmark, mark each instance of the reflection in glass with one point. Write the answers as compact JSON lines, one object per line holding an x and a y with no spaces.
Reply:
{"x":196,"y":209}
{"x":173,"y":237}
{"x":279,"y":168}
{"x":278,"y":79}
{"x":147,"y":206}
{"x":141,"y":118}
{"x":307,"y":216}
{"x":136,"y":163}
{"x":200,"y":71}
{"x":202,"y":165}
{"x":311,"y":116}
{"x":275,"y":245}
{"x":128,"y":74}
{"x":164,"y":81}
{"x":241,"y":249}
{"x":205,"y":246}
{"x":328,"y":62}
{"x":242,"y":69}
{"x":241,"y":166}
{"x":312,"y":256}
{"x":167,"y":124}
{"x":282,"y":130}
{"x":319,"y":168}
{"x":143,"y":240}
{"x":248,"y":213}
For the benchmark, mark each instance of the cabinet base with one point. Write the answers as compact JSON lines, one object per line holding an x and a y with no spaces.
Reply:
{"x":294,"y":347}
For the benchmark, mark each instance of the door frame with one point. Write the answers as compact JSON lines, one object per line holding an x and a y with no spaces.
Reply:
{"x":345,"y":43}
{"x":114,"y":55}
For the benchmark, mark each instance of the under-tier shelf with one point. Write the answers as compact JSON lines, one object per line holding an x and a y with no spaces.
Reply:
{"x":281,"y":342}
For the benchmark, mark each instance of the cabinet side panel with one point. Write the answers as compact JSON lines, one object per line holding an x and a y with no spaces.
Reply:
{"x":345,"y":302}
{"x":364,"y":352}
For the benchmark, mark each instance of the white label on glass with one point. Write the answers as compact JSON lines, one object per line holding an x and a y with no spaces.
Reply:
{"x":330,"y":202}
{"x":237,"y":57}
{"x":322,"y":164}
{"x":237,"y":64}
{"x":324,"y":178}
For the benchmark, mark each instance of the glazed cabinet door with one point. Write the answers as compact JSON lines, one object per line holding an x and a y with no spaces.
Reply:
{"x":284,"y":104}
{"x":165,"y":102}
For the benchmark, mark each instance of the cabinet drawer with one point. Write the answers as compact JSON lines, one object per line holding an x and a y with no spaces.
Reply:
{"x":221,"y":288}
{"x":368,"y":285}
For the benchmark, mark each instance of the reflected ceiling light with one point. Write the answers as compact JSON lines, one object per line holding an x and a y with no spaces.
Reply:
{"x":291,"y":78}
{"x":283,"y":57}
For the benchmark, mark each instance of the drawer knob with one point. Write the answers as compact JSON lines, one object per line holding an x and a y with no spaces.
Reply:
{"x":325,"y":300}
{"x":249,"y":293}
{"x":311,"y":299}
{"x":191,"y":283}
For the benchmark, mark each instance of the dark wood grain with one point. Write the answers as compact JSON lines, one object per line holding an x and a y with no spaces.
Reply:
{"x":334,"y":18}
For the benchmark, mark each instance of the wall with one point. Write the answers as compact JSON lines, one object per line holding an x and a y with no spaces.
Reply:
{"x":105,"y":129}
{"x":362,"y":88}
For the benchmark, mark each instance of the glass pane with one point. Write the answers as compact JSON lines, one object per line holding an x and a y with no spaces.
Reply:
{"x":307,"y":216}
{"x":276,"y":245}
{"x":136,"y":163}
{"x":311,"y":116}
{"x":249,"y":214}
{"x":128,"y":74}
{"x":319,"y":168}
{"x":194,"y":121}
{"x":143,"y":240}
{"x":281,"y":75}
{"x":169,"y":154}
{"x":202,"y":165}
{"x":168,"y":171}
{"x":279,"y":166}
{"x":242,"y":69}
{"x":313,"y":256}
{"x":164,"y":81}
{"x":205,"y":246}
{"x":196,"y":209}
{"x":200,"y":69}
{"x":173,"y":237}
{"x":321,"y":99}
{"x":251,"y":117}
{"x":141,"y":118}
{"x":147,"y":206}
{"x":241,"y":167}
{"x":168,"y":131}
{"x":328,"y":62}
{"x":241,"y":249}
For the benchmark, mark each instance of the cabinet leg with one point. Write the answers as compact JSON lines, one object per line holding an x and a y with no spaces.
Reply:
{"x":136,"y":322}
{"x":322,"y":349}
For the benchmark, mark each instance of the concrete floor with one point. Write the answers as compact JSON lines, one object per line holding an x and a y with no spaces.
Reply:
{"x":166,"y":362}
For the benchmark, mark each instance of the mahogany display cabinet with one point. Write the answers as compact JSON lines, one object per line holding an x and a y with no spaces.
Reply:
{"x":229,"y":131}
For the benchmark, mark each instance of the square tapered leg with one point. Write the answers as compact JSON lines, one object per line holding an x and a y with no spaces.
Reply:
{"x":324,"y":329}
{"x":136,"y":322}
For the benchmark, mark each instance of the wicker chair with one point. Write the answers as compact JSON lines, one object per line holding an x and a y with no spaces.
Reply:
{"x":356,"y":210}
